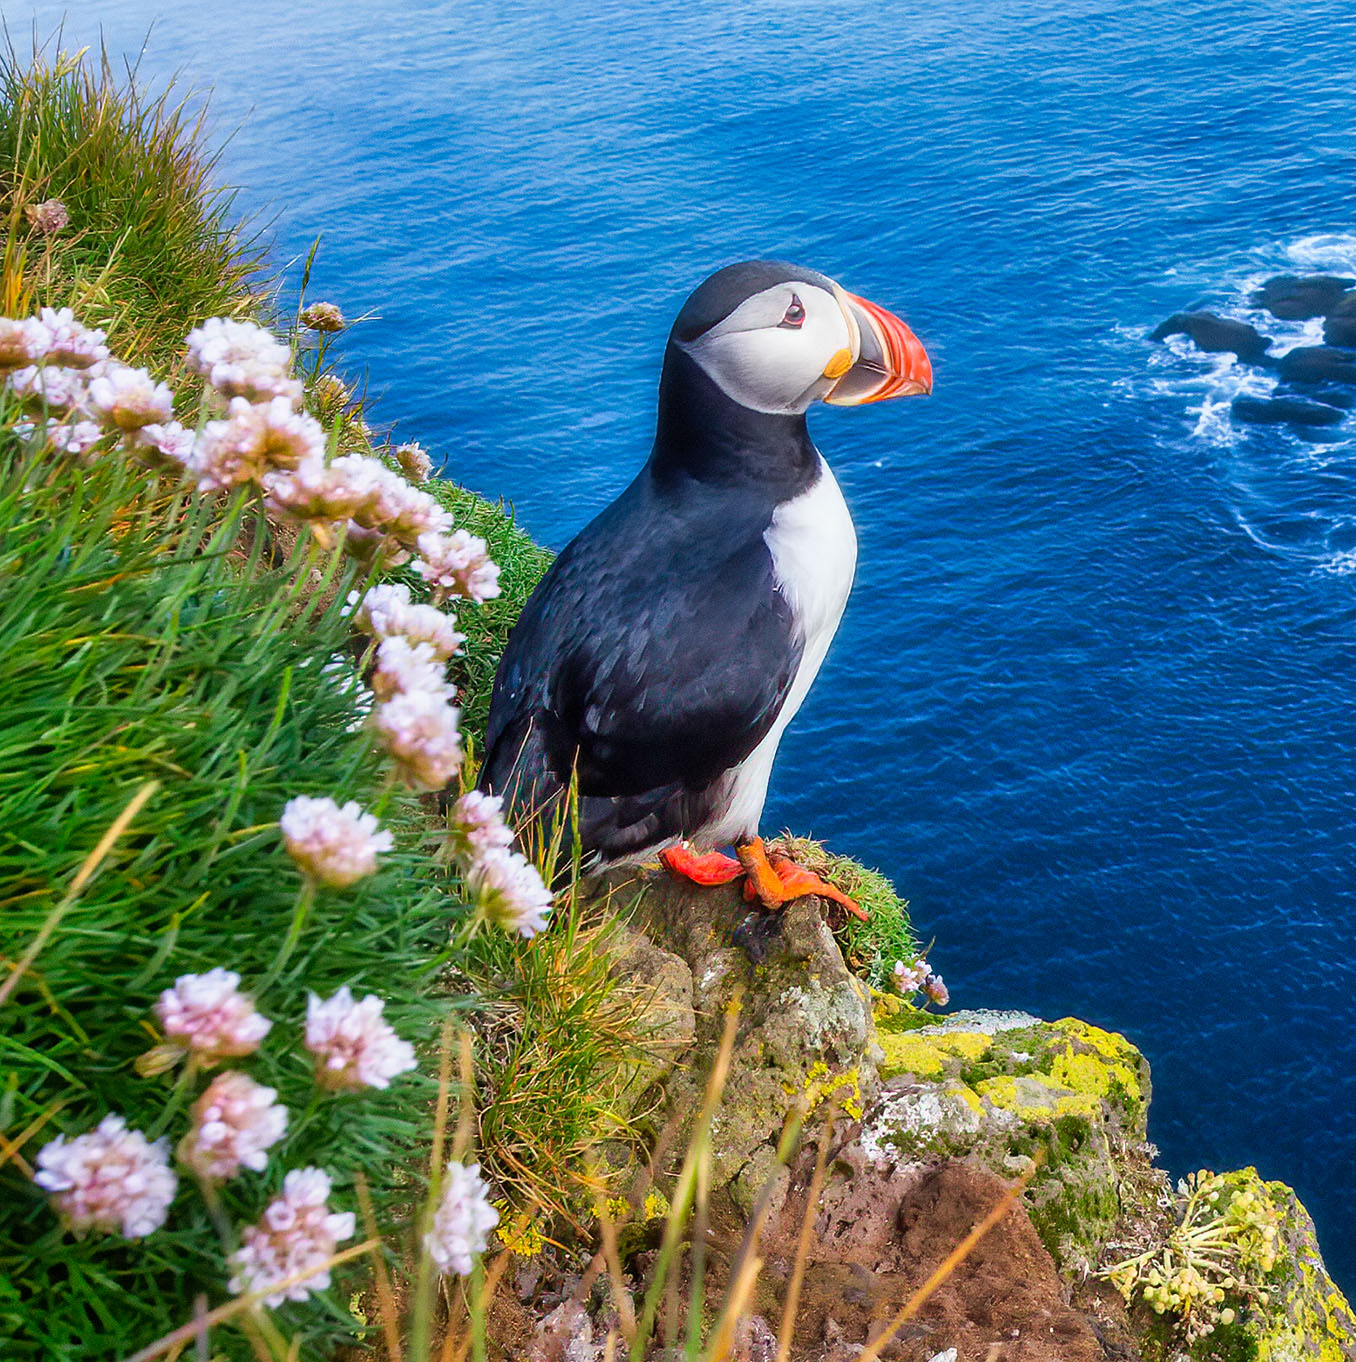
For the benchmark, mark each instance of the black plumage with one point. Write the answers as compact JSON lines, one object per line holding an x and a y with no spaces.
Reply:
{"x":656,"y":652}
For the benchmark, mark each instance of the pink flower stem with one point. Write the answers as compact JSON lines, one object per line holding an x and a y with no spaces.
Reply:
{"x":299,"y":914}
{"x":182,"y":1087}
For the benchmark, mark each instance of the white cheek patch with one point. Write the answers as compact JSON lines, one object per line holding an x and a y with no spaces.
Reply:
{"x":770,"y":367}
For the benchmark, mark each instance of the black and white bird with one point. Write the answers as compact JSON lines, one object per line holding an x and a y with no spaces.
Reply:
{"x":663,"y":654}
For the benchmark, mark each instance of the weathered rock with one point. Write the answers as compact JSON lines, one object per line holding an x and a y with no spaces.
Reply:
{"x":660,"y":984}
{"x":1003,"y":1087}
{"x":1308,"y":1318}
{"x":879,"y":1234}
{"x":1296,"y":298}
{"x":942,"y":1113}
{"x":805,"y":1027}
{"x":1215,"y":334}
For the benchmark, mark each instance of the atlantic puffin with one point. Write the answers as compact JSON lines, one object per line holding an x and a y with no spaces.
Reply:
{"x":666,"y":649}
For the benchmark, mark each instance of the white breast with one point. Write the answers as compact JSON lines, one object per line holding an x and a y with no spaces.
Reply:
{"x":814,"y":557}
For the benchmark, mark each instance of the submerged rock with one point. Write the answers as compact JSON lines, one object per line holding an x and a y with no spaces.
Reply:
{"x":1340,"y":330}
{"x":1298,"y":297}
{"x":1294,"y":411}
{"x":1215,"y":334}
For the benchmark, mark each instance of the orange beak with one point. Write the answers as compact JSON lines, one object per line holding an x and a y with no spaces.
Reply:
{"x":891,"y":361}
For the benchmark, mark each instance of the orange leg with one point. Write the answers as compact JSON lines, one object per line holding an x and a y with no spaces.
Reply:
{"x":776,"y":880}
{"x":706,"y":870}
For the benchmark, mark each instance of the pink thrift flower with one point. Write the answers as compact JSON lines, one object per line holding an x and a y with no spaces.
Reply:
{"x":936,"y":990}
{"x":332,"y":845}
{"x":242,"y":359}
{"x":254,"y":440}
{"x":457,"y":563}
{"x":323,"y":317}
{"x":297,"y":1234}
{"x":402,"y":510}
{"x":477,"y":826}
{"x":69,"y":342}
{"x":422,"y":733}
{"x":332,"y":390}
{"x":510,"y":891}
{"x":316,"y":492}
{"x":51,"y":215}
{"x":404,"y":667}
{"x":164,"y":444}
{"x":112,"y":1179}
{"x":74,"y":436}
{"x":414,"y":462}
{"x":353,"y":1044}
{"x":55,"y":387}
{"x":909,"y":978}
{"x":127,"y":399}
{"x":234,"y":1122}
{"x":463,"y":1220}
{"x":207,"y":1016}
{"x":387,"y":612}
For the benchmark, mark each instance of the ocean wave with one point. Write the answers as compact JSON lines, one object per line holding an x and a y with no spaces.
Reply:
{"x":1291,"y":491}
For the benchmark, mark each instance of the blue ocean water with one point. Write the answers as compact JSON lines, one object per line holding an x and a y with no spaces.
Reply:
{"x":1091,"y":705}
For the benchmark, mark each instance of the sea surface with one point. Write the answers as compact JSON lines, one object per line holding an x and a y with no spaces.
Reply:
{"x":1091,"y":707}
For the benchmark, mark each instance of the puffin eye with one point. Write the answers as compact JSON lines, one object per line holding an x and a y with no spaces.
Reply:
{"x":795,"y":314}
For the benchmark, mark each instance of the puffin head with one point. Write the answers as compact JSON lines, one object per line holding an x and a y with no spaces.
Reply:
{"x":775,"y":338}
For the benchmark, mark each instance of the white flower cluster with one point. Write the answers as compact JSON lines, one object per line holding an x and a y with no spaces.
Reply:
{"x":207,"y":1016}
{"x":416,"y":721}
{"x":414,"y":462}
{"x":255,"y":439}
{"x":63,"y":370}
{"x":387,"y":612}
{"x":457,"y":564}
{"x":354,"y":1045}
{"x":242,"y":359}
{"x":112,"y":1179}
{"x":296,"y":1237}
{"x":509,"y":891}
{"x":463,"y":1220}
{"x":322,"y":317}
{"x":334,"y":846}
{"x":234,"y":1122}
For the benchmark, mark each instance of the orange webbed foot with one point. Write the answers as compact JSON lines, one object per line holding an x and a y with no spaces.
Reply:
{"x":710,"y":869}
{"x":775,"y":880}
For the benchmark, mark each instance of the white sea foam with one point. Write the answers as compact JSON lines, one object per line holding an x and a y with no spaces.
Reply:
{"x":1292,"y":496}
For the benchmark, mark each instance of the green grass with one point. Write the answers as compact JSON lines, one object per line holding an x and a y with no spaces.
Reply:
{"x":135,"y":646}
{"x":151,"y":249}
{"x":870,"y":948}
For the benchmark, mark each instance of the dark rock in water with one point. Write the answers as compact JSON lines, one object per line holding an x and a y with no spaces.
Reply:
{"x":1295,"y":411}
{"x":1294,"y":298}
{"x":1317,"y":364}
{"x":1216,"y":334}
{"x":1319,"y":435}
{"x":1317,"y":392}
{"x":1340,"y":330}
{"x":1345,"y":306}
